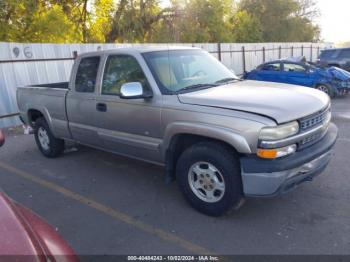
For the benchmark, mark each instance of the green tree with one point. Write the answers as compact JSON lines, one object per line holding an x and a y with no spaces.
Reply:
{"x":133,"y":21}
{"x":246,"y":28}
{"x":36,"y":21}
{"x":206,"y":21}
{"x":82,"y":21}
{"x":168,"y":29}
{"x":283,"y":20}
{"x":101,"y":22}
{"x":41,"y":29}
{"x":15,"y":19}
{"x":76,"y":11}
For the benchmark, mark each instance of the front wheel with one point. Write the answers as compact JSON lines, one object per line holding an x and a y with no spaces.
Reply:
{"x":326,"y":89}
{"x":48,"y":144}
{"x":209,"y":177}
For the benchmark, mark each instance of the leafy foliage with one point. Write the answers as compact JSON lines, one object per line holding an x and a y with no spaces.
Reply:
{"x":246,"y":28}
{"x":65,"y":21}
{"x":283,"y":20}
{"x":206,"y":21}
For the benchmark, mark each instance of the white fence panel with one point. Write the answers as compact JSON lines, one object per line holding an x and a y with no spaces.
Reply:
{"x":29,"y":64}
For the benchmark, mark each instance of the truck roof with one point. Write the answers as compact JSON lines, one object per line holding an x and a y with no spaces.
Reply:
{"x":139,"y":49}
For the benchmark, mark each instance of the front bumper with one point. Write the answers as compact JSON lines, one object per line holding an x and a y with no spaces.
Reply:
{"x":340,"y":88}
{"x":342,"y":91}
{"x":263,"y":177}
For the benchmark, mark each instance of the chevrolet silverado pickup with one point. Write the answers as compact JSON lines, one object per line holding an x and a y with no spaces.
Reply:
{"x":221,"y":138}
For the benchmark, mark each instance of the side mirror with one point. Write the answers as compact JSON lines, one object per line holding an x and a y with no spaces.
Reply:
{"x":133,"y":90}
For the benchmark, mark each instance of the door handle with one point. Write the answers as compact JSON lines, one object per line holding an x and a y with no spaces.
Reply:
{"x":101,"y":107}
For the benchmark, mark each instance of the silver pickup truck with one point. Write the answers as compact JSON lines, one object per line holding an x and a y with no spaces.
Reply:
{"x":222,"y":138}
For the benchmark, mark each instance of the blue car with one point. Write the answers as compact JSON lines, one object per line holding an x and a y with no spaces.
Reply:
{"x":331,"y":80}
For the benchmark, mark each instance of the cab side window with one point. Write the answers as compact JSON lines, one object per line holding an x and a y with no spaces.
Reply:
{"x":85,"y":79}
{"x":294,"y":68}
{"x":271,"y":67}
{"x":121,"y":69}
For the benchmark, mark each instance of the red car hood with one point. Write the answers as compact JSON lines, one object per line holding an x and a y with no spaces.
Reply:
{"x":24,"y":233}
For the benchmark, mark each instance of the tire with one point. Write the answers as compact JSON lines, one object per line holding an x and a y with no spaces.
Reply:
{"x":48,"y":145}
{"x":326,"y":89}
{"x":2,"y":138}
{"x":222,"y":167}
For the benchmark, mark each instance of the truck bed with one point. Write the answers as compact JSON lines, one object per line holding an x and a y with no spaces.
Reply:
{"x":50,"y":100}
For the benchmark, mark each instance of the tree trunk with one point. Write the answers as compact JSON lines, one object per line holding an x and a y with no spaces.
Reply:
{"x":115,"y":30}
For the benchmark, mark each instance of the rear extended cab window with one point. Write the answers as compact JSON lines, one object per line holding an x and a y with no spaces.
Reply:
{"x":85,"y":79}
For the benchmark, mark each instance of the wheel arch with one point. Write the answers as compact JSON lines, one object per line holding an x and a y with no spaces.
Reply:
{"x":34,"y":113}
{"x":334,"y":91}
{"x":180,"y":138}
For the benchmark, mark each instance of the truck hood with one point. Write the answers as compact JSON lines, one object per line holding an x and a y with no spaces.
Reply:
{"x":281,"y":102}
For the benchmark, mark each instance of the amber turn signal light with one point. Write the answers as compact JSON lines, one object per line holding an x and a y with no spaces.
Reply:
{"x":276,"y":152}
{"x":267,"y":153}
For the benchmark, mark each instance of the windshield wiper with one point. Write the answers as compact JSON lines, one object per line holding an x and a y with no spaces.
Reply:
{"x":195,"y":87}
{"x":227,"y":80}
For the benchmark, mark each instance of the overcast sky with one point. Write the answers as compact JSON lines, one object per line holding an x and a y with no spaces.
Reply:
{"x":334,"y":20}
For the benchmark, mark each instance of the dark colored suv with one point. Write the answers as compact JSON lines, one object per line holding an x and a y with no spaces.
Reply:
{"x":339,"y":57}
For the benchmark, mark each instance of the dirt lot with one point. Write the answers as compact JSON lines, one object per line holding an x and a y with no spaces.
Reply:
{"x":105,"y":204}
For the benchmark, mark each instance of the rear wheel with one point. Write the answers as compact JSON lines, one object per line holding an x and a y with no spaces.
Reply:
{"x":326,"y":89}
{"x":48,"y":145}
{"x":209,"y":177}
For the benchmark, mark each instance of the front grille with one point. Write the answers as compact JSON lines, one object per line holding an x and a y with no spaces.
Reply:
{"x":320,"y":118}
{"x":314,"y":120}
{"x":311,"y":138}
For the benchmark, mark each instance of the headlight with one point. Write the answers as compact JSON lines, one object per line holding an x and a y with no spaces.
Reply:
{"x":279,"y":132}
{"x":276,"y":152}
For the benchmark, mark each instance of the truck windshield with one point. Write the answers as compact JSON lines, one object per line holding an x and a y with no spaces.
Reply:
{"x":177,"y":70}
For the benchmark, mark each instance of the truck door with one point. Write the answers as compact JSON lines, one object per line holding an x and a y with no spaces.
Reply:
{"x":296,"y":74}
{"x":81,"y":100}
{"x":127,"y":126}
{"x":269,"y":72}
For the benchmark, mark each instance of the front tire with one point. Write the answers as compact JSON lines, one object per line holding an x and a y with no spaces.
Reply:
{"x":326,"y":89}
{"x":48,"y":144}
{"x":209,"y":177}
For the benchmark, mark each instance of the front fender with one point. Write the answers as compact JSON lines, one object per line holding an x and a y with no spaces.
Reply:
{"x":206,"y":130}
